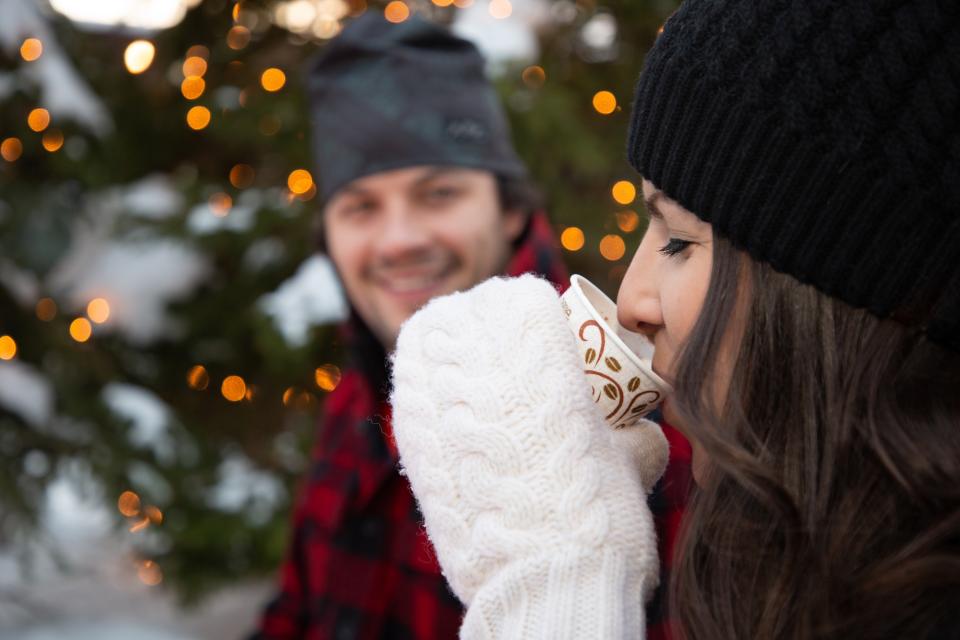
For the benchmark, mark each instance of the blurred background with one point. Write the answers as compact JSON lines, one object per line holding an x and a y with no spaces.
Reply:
{"x":166,"y":327}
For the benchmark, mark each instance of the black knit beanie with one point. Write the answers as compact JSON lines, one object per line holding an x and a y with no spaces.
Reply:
{"x":385,"y":96}
{"x":821,"y":137}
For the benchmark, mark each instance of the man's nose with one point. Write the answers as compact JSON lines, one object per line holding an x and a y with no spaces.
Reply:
{"x":638,"y":300}
{"x":402,"y":231}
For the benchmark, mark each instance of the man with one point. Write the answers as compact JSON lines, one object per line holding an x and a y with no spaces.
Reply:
{"x":422,"y":195}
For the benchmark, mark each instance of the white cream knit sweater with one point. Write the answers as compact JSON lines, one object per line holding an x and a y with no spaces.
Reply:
{"x":536,"y":508}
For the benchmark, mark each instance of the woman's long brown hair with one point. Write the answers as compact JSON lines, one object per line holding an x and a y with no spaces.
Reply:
{"x":830,"y":507}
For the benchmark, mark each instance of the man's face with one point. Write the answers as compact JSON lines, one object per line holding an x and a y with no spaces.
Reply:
{"x":402,"y":237}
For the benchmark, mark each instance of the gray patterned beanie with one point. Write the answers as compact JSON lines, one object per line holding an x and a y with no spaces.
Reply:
{"x":385,"y":96}
{"x":820,"y":136}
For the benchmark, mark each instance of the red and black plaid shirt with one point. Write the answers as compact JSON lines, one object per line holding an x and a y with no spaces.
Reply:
{"x":360,"y":566}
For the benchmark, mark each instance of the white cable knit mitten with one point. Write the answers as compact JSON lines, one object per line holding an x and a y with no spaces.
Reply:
{"x":537,"y":509}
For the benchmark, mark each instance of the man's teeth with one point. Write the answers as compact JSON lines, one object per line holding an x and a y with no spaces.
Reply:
{"x":413,"y":283}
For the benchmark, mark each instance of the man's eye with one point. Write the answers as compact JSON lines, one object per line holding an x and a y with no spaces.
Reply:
{"x":674,"y":246}
{"x":441,"y":193}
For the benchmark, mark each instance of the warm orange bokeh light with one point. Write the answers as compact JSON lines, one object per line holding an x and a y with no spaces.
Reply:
{"x":138,"y":56}
{"x":46,"y":309}
{"x":198,"y":51}
{"x":327,"y":377}
{"x":192,"y":87}
{"x":129,"y":504}
{"x":38,"y":120}
{"x":198,"y":378}
{"x":198,"y":118}
{"x":233,"y":388}
{"x":462,"y":4}
{"x":604,"y":102}
{"x":299,"y":181}
{"x":220,"y":203}
{"x":31,"y":49}
{"x":11,"y":149}
{"x":52,"y":140}
{"x":8,"y":348}
{"x":612,"y":247}
{"x":81,"y":329}
{"x":500,"y":9}
{"x":628,"y":221}
{"x":238,"y":37}
{"x":396,"y":12}
{"x":534,"y":76}
{"x":572,"y":239}
{"x":194,"y":66}
{"x":443,"y":3}
{"x":150,"y":574}
{"x":153,"y":514}
{"x":98,"y":310}
{"x":624,"y":192}
{"x":273,"y":79}
{"x":242,"y":175}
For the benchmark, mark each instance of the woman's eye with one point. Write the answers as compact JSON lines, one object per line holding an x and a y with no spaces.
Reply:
{"x":674,"y":246}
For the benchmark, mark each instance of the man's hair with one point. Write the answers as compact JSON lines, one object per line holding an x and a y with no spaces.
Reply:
{"x":830,"y":506}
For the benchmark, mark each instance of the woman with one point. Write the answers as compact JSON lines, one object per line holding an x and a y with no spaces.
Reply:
{"x":800,"y":279}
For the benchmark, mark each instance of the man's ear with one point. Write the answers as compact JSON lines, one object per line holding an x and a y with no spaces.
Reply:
{"x":514,"y":222}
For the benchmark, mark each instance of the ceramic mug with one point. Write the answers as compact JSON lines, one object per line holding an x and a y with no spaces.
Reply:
{"x":616,"y":362}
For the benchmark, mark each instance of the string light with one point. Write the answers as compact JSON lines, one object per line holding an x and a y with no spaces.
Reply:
{"x":31,"y":49}
{"x":98,"y":310}
{"x":194,"y":66}
{"x":612,"y":247}
{"x":192,"y":87}
{"x":220,"y":203}
{"x":46,"y":309}
{"x":273,"y":79}
{"x":140,"y":525}
{"x":198,"y":378}
{"x":443,"y":3}
{"x":198,"y":118}
{"x":396,"y":12}
{"x":138,"y":56}
{"x":153,"y":514}
{"x":198,"y":51}
{"x":241,"y":176}
{"x":624,"y":192}
{"x":299,"y":181}
{"x":129,"y":504}
{"x":8,"y":348}
{"x":604,"y":102}
{"x":11,"y":149}
{"x":327,"y":377}
{"x":81,"y":329}
{"x":149,"y":573}
{"x":52,"y":140}
{"x":572,"y":239}
{"x":288,"y":394}
{"x":238,"y":37}
{"x":38,"y":119}
{"x":500,"y":9}
{"x":233,"y":388}
{"x":628,"y":221}
{"x":534,"y":76}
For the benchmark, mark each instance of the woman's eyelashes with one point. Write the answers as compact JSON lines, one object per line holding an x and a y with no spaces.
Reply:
{"x":674,"y":247}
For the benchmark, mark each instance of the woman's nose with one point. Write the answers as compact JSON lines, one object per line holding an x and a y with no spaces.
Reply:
{"x":638,"y":300}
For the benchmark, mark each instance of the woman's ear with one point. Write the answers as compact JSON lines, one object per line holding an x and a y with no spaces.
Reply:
{"x":514,"y":222}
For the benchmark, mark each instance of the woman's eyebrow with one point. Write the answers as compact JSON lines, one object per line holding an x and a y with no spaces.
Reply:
{"x":650,"y":202}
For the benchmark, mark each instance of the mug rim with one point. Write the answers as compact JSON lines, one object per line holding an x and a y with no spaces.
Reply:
{"x":576,"y":281}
